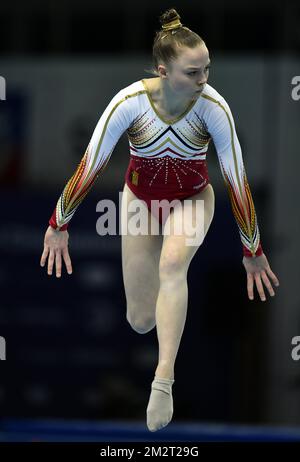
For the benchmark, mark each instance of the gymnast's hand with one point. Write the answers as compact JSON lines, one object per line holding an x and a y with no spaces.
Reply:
{"x":55,"y":247}
{"x":258,"y":270}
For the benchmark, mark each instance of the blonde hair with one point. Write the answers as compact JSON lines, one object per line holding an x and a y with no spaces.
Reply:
{"x":170,"y":38}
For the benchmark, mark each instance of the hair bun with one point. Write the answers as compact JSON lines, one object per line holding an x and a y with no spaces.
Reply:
{"x":170,"y":20}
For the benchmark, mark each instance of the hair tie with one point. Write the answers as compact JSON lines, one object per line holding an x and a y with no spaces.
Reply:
{"x":172,"y":25}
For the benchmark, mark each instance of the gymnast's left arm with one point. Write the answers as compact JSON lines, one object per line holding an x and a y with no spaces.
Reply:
{"x":222,"y":129}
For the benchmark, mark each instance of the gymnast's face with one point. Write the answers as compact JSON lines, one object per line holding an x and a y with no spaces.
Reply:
{"x":187,"y":75}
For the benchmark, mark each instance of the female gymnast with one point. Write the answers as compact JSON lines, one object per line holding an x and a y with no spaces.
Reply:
{"x":170,"y":120}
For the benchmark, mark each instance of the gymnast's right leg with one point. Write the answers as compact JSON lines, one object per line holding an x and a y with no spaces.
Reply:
{"x":140,"y":266}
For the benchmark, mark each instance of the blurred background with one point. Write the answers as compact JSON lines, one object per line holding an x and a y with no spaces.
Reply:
{"x":70,"y":351}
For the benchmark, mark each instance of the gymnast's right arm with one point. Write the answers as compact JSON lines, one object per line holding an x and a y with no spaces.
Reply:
{"x":114,"y":121}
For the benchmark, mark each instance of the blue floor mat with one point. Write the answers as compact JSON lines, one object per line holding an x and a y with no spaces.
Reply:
{"x":25,"y":430}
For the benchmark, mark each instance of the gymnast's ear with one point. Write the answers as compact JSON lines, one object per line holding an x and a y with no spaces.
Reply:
{"x":162,"y":70}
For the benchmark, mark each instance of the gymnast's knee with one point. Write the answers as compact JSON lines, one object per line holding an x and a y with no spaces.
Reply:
{"x":141,"y":324}
{"x":172,"y":268}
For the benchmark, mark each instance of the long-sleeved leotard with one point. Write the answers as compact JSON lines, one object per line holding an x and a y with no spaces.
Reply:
{"x":167,"y":157}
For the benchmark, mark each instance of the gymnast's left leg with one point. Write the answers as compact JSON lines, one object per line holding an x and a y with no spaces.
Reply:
{"x":171,"y":306}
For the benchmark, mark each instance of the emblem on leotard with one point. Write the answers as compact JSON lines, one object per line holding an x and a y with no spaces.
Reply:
{"x":134,"y":177}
